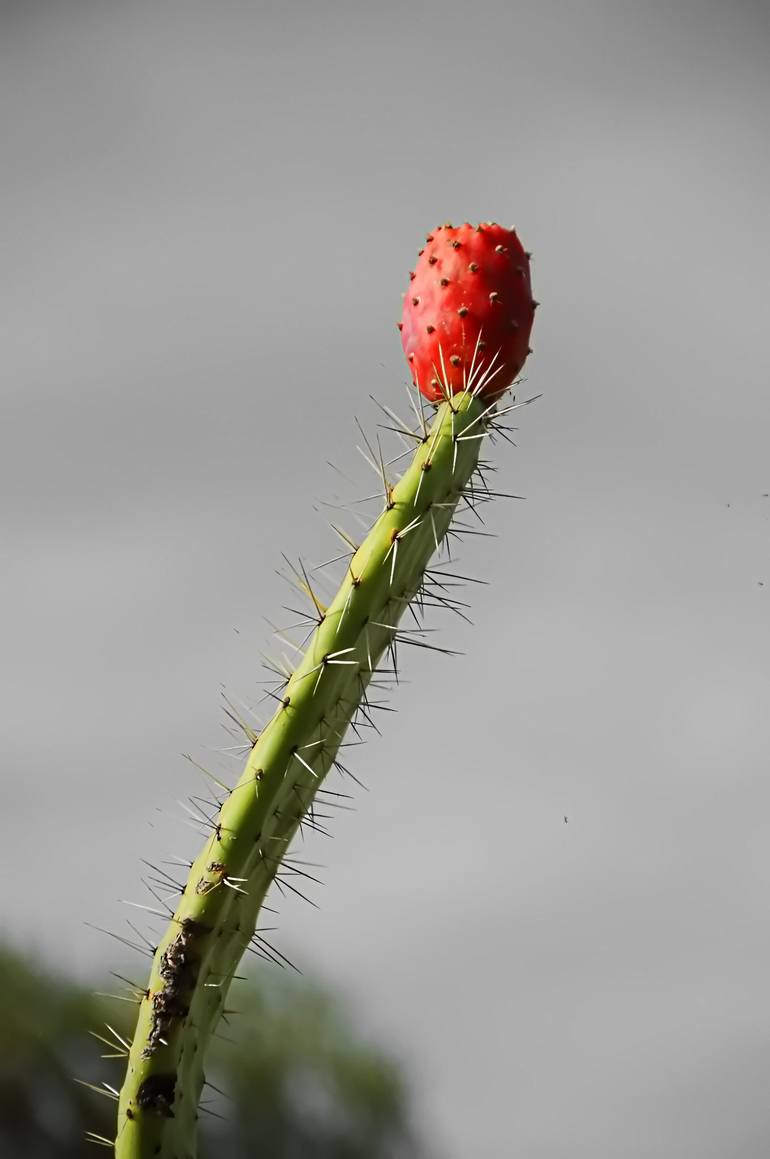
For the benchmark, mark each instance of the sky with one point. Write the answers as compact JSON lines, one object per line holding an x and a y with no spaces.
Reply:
{"x":207,"y":216}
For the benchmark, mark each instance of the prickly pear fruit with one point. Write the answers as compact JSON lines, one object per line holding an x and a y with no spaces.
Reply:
{"x":468,"y":312}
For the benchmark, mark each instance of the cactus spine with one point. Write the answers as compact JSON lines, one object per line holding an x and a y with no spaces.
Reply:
{"x":216,"y":916}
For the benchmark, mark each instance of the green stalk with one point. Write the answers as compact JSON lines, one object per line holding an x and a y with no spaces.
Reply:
{"x":216,"y":917}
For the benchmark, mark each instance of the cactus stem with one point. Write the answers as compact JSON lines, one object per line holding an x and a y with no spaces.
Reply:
{"x":351,"y":652}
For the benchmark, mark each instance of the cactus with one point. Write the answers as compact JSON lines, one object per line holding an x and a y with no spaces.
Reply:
{"x":352,"y":649}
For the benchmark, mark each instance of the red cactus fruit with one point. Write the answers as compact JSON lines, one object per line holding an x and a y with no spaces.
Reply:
{"x":468,"y":312}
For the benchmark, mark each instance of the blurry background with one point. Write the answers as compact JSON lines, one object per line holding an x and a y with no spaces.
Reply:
{"x":208,"y":212}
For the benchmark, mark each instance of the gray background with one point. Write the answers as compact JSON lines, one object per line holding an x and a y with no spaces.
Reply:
{"x":208,"y":213}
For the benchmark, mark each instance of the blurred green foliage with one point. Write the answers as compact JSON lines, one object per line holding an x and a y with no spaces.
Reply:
{"x":300,"y":1084}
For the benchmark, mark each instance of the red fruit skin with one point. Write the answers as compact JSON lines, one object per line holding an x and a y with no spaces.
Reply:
{"x":469,"y":281}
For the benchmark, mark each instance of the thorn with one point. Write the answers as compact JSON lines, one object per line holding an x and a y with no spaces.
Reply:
{"x":100,"y":1140}
{"x":118,"y":997}
{"x":281,"y":884}
{"x":158,"y":913}
{"x":309,"y":767}
{"x":208,"y":1111}
{"x":206,"y":772}
{"x":378,"y":470}
{"x":430,"y":647}
{"x":433,"y":524}
{"x":233,"y":883}
{"x":251,"y":735}
{"x":304,"y":585}
{"x":108,"y":1091}
{"x":140,"y":991}
{"x":345,"y":539}
{"x":347,"y":773}
{"x":276,"y":956}
{"x":131,"y":945}
{"x":393,"y":548}
{"x":106,"y":1042}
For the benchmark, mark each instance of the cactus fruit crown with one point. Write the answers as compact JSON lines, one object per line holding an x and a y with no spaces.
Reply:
{"x":465,"y":332}
{"x":468,"y":311}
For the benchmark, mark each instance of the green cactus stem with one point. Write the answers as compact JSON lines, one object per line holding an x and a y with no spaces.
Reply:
{"x":216,"y":917}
